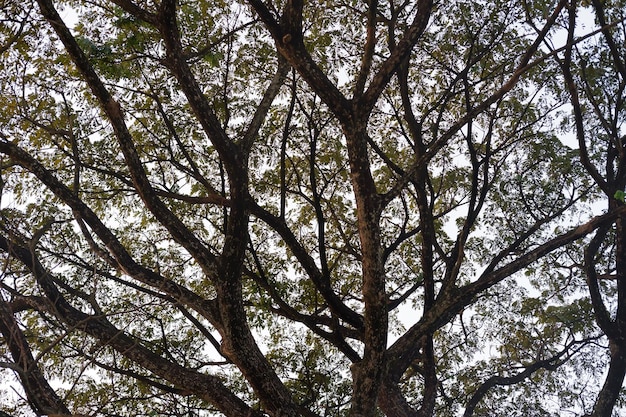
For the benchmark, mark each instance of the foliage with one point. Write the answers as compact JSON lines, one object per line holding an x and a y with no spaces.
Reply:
{"x":330,"y":208}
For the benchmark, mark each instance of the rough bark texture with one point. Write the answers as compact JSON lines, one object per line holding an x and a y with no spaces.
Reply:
{"x":398,"y":198}
{"x":41,"y":397}
{"x":613,"y":383}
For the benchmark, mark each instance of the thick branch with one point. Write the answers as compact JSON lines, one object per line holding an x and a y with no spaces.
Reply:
{"x":289,"y":42}
{"x":398,"y":55}
{"x":368,"y":49}
{"x":124,"y":260}
{"x":549,"y":364}
{"x":614,"y":381}
{"x":114,"y":113}
{"x":207,"y":387}
{"x":42,"y":398}
{"x":453,"y":301}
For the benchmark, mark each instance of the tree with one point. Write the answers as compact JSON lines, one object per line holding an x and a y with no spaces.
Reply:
{"x":312,"y":209}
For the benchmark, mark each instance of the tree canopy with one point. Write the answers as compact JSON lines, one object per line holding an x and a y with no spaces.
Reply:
{"x":324,"y":208}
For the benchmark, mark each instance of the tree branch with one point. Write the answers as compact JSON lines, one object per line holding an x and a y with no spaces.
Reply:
{"x":207,"y":387}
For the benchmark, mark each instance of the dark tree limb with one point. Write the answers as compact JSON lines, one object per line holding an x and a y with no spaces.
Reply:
{"x":41,"y":397}
{"x":206,"y":387}
{"x":549,"y":364}
{"x":133,"y":162}
{"x":614,"y":381}
{"x":453,"y":301}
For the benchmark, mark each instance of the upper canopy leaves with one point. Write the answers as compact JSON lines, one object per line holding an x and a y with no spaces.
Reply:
{"x":312,"y":208}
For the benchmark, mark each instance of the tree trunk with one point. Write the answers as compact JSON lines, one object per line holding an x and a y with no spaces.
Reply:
{"x":613,"y":383}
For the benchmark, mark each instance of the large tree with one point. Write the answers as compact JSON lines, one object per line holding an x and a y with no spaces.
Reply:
{"x":328,"y":208}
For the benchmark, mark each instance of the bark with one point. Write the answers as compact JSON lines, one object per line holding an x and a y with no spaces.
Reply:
{"x":613,"y":383}
{"x":41,"y":397}
{"x":123,"y":260}
{"x":206,"y":387}
{"x":454,"y":300}
{"x":393,"y":403}
{"x":238,"y":342}
{"x":112,"y":109}
{"x":322,"y":282}
{"x":287,"y":35}
{"x":367,"y":373}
